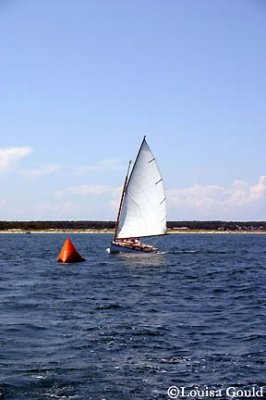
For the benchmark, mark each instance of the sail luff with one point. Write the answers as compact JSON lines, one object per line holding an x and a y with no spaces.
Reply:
{"x":122,"y":199}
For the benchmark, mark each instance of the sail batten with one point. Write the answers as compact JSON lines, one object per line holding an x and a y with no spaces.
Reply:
{"x":143,"y":210}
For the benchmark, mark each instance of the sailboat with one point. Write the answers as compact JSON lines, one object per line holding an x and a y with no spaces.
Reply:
{"x":142,"y":210}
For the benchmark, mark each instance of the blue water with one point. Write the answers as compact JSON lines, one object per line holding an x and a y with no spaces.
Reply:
{"x":129,"y":327}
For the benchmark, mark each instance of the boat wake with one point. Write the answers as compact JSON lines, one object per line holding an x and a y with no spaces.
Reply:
{"x":196,"y":251}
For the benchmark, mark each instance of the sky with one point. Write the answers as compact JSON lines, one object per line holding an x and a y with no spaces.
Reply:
{"x":83,"y":81}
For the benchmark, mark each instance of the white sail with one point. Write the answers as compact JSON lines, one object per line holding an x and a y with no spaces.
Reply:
{"x":143,"y":211}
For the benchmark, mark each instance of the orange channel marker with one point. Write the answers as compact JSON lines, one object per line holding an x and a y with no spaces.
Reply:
{"x":69,"y":254}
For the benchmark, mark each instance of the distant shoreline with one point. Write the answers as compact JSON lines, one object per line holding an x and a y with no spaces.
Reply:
{"x":111,"y":231}
{"x":173,"y":227}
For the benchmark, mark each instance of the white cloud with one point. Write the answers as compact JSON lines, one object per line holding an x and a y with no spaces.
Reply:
{"x":49,"y":169}
{"x":81,"y":202}
{"x":104,"y":165}
{"x":55,"y":210}
{"x":85,"y":190}
{"x":42,"y":170}
{"x":10,"y":157}
{"x":91,"y":201}
{"x":258,"y":191}
{"x":242,"y":193}
{"x":241,"y":200}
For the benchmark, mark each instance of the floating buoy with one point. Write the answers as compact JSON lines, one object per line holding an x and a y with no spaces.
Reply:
{"x":69,"y":254}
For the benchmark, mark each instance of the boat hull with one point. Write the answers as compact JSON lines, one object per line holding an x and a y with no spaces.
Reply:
{"x":117,"y":248}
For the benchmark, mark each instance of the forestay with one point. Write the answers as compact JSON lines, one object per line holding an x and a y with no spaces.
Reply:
{"x":143,"y":211}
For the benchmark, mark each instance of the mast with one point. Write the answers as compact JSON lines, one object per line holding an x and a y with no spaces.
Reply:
{"x":122,"y":199}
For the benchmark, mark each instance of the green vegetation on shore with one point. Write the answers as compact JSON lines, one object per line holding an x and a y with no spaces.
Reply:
{"x":109,"y":225}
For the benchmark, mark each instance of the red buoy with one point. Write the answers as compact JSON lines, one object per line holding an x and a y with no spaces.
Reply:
{"x":69,"y":254}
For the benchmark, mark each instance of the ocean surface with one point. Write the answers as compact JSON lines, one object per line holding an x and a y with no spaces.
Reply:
{"x":130,"y":327}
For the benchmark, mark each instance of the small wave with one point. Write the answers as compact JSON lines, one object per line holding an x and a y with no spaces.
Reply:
{"x":149,"y":331}
{"x":196,"y":251}
{"x":254,"y":336}
{"x":23,"y":327}
{"x":113,"y":306}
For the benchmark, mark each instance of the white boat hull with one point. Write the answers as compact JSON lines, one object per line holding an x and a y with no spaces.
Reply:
{"x":116,"y":248}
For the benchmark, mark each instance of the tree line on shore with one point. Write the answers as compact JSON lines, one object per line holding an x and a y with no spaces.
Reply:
{"x":108,"y":225}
